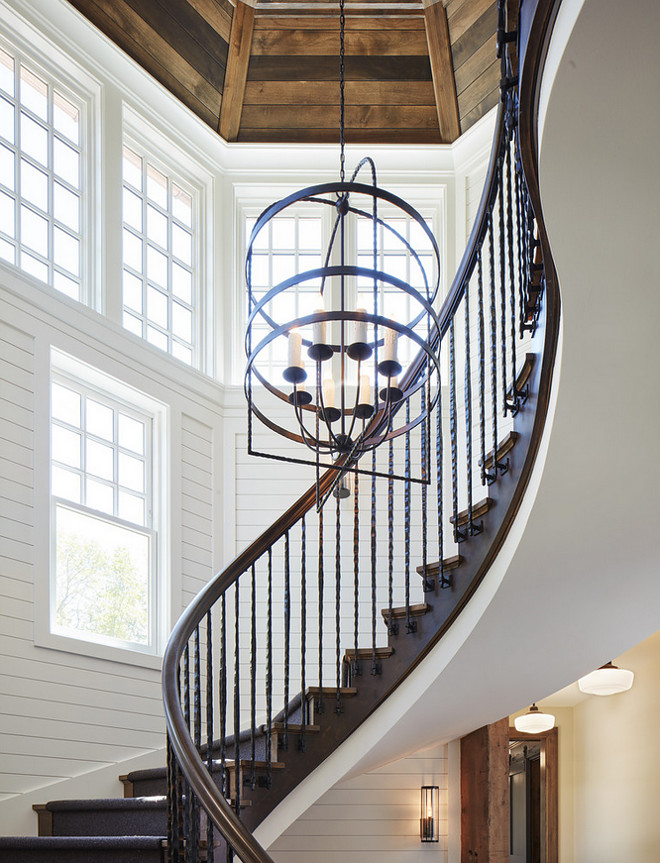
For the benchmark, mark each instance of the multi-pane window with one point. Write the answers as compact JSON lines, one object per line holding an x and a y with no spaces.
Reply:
{"x":159,"y":285}
{"x":104,"y":544}
{"x":394,"y":258}
{"x":288,"y":245}
{"x":41,"y":199}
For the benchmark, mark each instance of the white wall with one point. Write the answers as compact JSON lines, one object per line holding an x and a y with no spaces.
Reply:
{"x":372,"y":818}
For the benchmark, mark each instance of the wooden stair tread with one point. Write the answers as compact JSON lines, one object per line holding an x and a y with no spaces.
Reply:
{"x":368,"y":652}
{"x":503,"y":448}
{"x":478,"y":509}
{"x":414,"y":610}
{"x":329,"y":691}
{"x":523,"y":375}
{"x":293,"y":728}
{"x":448,"y":564}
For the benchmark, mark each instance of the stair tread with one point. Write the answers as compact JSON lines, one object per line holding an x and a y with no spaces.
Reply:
{"x":503,"y":448}
{"x":448,"y":564}
{"x":345,"y":691}
{"x":414,"y":610}
{"x":293,"y":728}
{"x":120,"y":803}
{"x":478,"y":509}
{"x":130,"y":842}
{"x":367,"y":652}
{"x":525,"y":371}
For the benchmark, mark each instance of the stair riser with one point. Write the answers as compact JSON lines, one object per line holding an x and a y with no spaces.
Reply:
{"x":68,"y":855}
{"x":140,"y":822}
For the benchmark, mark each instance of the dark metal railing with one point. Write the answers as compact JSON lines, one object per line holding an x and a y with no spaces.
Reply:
{"x":277,"y":644}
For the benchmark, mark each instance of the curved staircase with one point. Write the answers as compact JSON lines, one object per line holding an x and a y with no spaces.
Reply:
{"x":501,"y":319}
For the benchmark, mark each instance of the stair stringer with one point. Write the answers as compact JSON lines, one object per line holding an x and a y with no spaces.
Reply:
{"x":390,"y":732}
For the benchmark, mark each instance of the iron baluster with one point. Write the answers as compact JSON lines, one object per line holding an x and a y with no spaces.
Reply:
{"x":187,"y":797}
{"x":197,"y":731}
{"x":338,"y":604}
{"x":375,"y":665}
{"x":253,"y":676}
{"x":287,"y":635}
{"x":439,"y":474}
{"x":493,"y":349}
{"x":459,"y":535}
{"x":303,"y":632}
{"x":425,"y":581}
{"x":209,"y":724}
{"x":269,"y":669}
{"x":392,"y":627}
{"x":172,"y":808}
{"x":411,"y":625}
{"x":502,"y":271}
{"x":486,"y":477}
{"x":472,"y":527}
{"x":320,"y":707}
{"x":238,"y":773}
{"x":223,"y":697}
{"x":355,"y":670}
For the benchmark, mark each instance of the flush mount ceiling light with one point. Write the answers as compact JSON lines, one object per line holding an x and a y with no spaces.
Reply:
{"x":606,"y":680}
{"x":342,"y":354}
{"x":534,"y":722}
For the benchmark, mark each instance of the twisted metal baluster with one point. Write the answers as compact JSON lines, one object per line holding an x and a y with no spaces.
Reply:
{"x":411,"y":625}
{"x":439,"y":476}
{"x":356,"y":669}
{"x":502,"y":272}
{"x":392,"y":626}
{"x":226,"y":791}
{"x":287,"y":635}
{"x":472,"y":527}
{"x":338,"y":708}
{"x":269,"y":671}
{"x":493,"y":346}
{"x":253,"y":677}
{"x":197,"y":731}
{"x":209,"y":725}
{"x":187,"y":805}
{"x":514,"y":401}
{"x":486,"y":477}
{"x":425,"y":396}
{"x":173,"y":806}
{"x":459,"y":535}
{"x":375,"y":666}
{"x":303,"y":633}
{"x":237,"y":697}
{"x":320,"y":707}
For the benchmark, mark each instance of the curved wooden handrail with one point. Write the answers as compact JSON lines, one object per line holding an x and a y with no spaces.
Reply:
{"x":192,"y":765}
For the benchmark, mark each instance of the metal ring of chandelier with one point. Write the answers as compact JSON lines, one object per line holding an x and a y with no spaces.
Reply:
{"x":372,"y":383}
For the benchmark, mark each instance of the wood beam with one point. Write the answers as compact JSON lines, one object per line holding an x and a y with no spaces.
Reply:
{"x":240,"y":45}
{"x":442,"y":70}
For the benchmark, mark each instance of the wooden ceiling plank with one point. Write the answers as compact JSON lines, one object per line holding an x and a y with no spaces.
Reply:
{"x":329,"y":136}
{"x":216,"y":14}
{"x":480,"y":110}
{"x":466,"y":15}
{"x":327,"y":93}
{"x":327,"y":116}
{"x":442,"y":70}
{"x":476,"y":64}
{"x":127,"y":29}
{"x":326,"y":68}
{"x":358,"y":43}
{"x":330,"y":22}
{"x":480,"y":88}
{"x":180,"y":26}
{"x":473,"y":38}
{"x":240,"y":46}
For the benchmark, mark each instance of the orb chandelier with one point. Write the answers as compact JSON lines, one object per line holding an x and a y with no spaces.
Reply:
{"x":355,"y":345}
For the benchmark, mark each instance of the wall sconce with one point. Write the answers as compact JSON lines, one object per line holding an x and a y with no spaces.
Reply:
{"x":606,"y":680}
{"x":428,"y":822}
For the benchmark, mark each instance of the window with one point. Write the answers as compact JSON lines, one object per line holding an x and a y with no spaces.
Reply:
{"x":41,"y":176}
{"x":104,"y":525}
{"x":159,"y":282}
{"x":288,"y":245}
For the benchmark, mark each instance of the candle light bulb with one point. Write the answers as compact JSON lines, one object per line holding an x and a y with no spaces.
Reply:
{"x":364,"y":393}
{"x":389,"y":348}
{"x":295,"y":350}
{"x":318,"y":329}
{"x":360,"y":329}
{"x":328,"y":393}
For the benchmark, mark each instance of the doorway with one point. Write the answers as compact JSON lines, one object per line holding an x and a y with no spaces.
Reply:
{"x":524,"y":802}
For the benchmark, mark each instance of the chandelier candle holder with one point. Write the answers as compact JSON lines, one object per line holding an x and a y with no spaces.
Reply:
{"x":365,"y":341}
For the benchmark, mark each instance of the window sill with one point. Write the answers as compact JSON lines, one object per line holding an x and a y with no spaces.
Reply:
{"x":107,"y":652}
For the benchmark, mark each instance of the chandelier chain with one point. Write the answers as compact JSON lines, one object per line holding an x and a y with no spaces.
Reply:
{"x":342,"y":56}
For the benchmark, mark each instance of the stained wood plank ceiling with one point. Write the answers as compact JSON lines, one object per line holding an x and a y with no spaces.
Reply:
{"x":268,"y":71}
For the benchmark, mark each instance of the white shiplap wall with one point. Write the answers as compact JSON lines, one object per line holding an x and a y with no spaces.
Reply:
{"x":372,"y":818}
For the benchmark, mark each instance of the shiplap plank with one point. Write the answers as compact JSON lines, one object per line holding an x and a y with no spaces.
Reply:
{"x":17,"y":395}
{"x":480,"y":110}
{"x":358,"y":117}
{"x":82,"y":713}
{"x":18,"y":530}
{"x":17,"y":452}
{"x":193,"y":426}
{"x":330,"y":22}
{"x":74,"y":694}
{"x":310,"y":43}
{"x":327,"y":93}
{"x":19,"y":609}
{"x":21,"y":552}
{"x":16,"y":434}
{"x":20,"y":416}
{"x":218,"y":15}
{"x":341,"y":843}
{"x":49,"y":765}
{"x":195,"y":509}
{"x":462,"y":16}
{"x":70,"y":729}
{"x":473,"y":38}
{"x":476,"y":64}
{"x":15,"y":588}
{"x":17,"y":371}
{"x":199,"y":476}
{"x":40,"y":747}
{"x":194,"y":490}
{"x":17,"y":338}
{"x":17,"y":473}
{"x":479,"y":89}
{"x":197,"y":458}
{"x":324,"y":68}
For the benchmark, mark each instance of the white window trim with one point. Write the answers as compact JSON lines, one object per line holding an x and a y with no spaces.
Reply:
{"x":66,"y":366}
{"x":186,"y":171}
{"x":26,"y":43}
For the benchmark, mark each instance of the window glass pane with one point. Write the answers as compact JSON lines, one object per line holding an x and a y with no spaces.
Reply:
{"x":181,"y":205}
{"x":99,"y":496}
{"x":7,"y":252}
{"x":66,"y":163}
{"x":65,"y":446}
{"x":182,"y":353}
{"x":181,"y":322}
{"x":99,"y":419}
{"x":157,"y":307}
{"x":132,"y":210}
{"x":309,"y":233}
{"x":66,"y":118}
{"x":102,"y":578}
{"x":7,"y":167}
{"x":34,"y":267}
{"x":155,"y":337}
{"x":34,"y":231}
{"x":6,"y":73}
{"x":182,"y":283}
{"x":132,"y":251}
{"x":132,"y":324}
{"x":100,"y":460}
{"x":66,"y":285}
{"x":34,"y":185}
{"x":182,"y":244}
{"x":7,"y":120}
{"x":156,"y":226}
{"x":66,"y":207}
{"x":156,"y":266}
{"x":390,"y":239}
{"x":7,"y":215}
{"x":156,"y":186}
{"x":131,"y":434}
{"x":132,"y":293}
{"x":131,"y":472}
{"x":66,"y":484}
{"x":283,"y":233}
{"x":34,"y":93}
{"x":260,"y":271}
{"x":131,"y":507}
{"x":66,"y":253}
{"x":132,"y":166}
{"x":34,"y":140}
{"x":65,"y":405}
